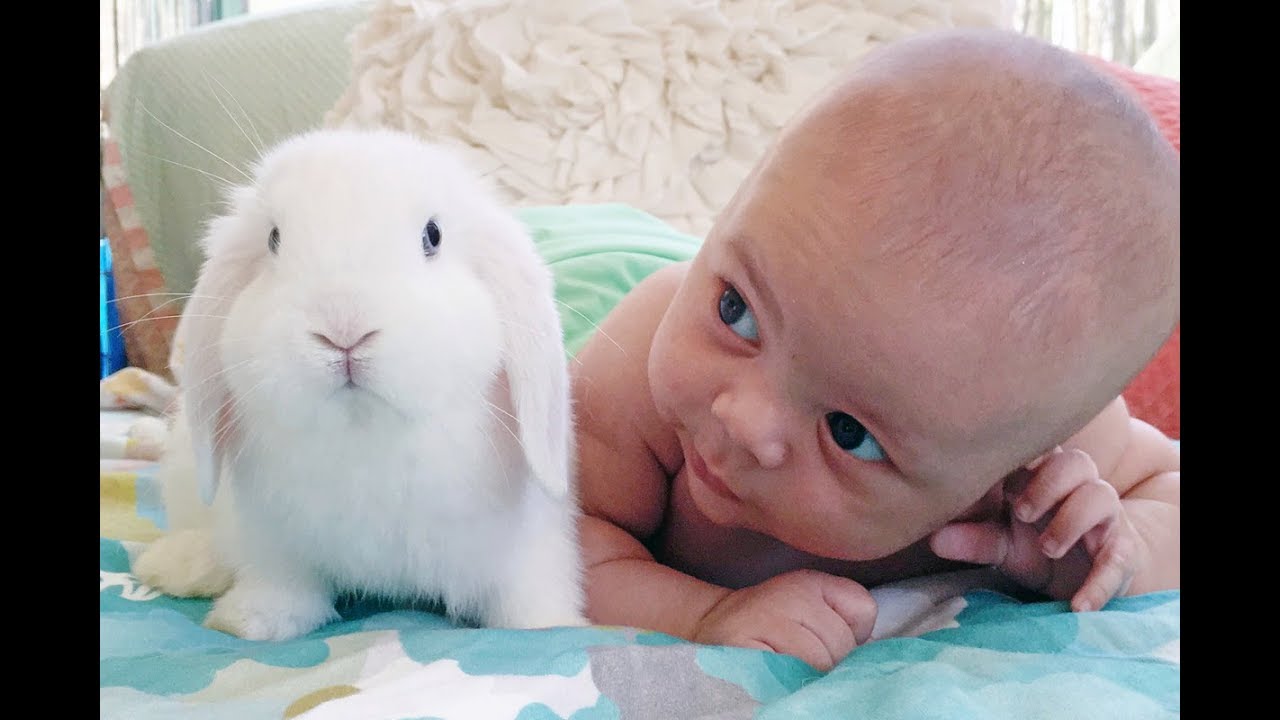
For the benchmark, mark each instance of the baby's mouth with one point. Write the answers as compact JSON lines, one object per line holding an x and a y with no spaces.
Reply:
{"x":699,"y":468}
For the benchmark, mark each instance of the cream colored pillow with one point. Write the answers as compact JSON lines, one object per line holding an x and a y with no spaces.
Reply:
{"x":660,"y":104}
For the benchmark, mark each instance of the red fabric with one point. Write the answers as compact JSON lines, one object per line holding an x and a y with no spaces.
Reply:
{"x":1155,"y":394}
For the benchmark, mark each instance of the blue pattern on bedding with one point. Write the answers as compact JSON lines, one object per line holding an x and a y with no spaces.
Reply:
{"x":1006,"y":659}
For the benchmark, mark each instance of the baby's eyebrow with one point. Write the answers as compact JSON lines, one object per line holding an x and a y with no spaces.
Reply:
{"x":740,"y":250}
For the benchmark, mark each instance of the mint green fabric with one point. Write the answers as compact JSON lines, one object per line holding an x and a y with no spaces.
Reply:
{"x":597,"y":253}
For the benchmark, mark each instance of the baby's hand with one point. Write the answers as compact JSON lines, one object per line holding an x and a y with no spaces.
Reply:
{"x":811,"y":615}
{"x":1066,"y":535}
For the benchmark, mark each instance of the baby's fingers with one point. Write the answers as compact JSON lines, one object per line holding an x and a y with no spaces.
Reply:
{"x":1056,"y":476}
{"x":979,"y":543}
{"x":1093,"y":504}
{"x":800,"y":642}
{"x":854,"y":607}
{"x":1112,"y":571}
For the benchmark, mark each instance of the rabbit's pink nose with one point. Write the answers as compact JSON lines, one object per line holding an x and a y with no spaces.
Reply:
{"x":339,"y":346}
{"x":349,"y":365}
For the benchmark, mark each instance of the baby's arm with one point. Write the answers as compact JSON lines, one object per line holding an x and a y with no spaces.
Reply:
{"x":1144,"y":466}
{"x":624,"y":465}
{"x":1095,"y":518}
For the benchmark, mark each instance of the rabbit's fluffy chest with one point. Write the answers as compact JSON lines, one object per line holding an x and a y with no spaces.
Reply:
{"x":387,"y":509}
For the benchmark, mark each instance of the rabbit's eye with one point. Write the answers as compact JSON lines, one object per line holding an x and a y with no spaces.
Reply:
{"x":431,"y":238}
{"x":273,"y":241}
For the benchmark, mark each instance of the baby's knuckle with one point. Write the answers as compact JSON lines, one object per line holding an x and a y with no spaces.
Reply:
{"x":822,"y":663}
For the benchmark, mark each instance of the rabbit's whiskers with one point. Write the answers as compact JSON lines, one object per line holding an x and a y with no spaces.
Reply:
{"x":224,"y":183}
{"x":131,"y":323}
{"x":593,"y":324}
{"x":170,"y":128}
{"x":257,"y":146}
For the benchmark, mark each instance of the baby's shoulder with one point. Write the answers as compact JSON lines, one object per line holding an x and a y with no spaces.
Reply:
{"x":612,"y":395}
{"x":620,"y":434}
{"x":1125,"y":449}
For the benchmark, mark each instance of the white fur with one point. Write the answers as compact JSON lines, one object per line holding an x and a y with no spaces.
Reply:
{"x":446,"y":472}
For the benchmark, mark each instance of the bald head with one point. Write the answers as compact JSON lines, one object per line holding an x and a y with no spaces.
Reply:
{"x":1016,"y":189}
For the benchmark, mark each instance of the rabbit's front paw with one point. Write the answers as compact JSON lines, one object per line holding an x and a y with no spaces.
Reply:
{"x":183,"y":564}
{"x":257,"y":610}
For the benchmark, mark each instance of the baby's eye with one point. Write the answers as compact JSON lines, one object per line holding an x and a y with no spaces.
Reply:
{"x":853,"y":438}
{"x":735,"y":313}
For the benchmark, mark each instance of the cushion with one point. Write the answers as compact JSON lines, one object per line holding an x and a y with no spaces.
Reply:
{"x":663,"y":105}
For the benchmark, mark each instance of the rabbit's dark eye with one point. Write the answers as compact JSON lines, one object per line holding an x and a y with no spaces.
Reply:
{"x":273,"y":241}
{"x":431,"y":238}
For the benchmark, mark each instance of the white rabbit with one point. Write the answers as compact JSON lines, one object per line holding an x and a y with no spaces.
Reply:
{"x":374,"y":399}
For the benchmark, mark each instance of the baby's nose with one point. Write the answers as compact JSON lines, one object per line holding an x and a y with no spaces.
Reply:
{"x":753,"y":424}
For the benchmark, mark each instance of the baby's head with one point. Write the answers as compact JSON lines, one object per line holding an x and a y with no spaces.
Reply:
{"x":949,"y":263}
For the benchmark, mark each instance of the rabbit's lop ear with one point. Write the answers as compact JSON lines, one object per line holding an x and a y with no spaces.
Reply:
{"x":199,"y":367}
{"x":533,"y":353}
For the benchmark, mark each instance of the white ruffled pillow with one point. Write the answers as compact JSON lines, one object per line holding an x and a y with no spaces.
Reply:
{"x":660,"y":104}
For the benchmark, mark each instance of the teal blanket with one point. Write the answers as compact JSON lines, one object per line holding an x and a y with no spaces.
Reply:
{"x":995,"y":657}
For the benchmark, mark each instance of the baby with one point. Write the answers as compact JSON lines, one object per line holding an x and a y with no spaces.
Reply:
{"x":899,"y":351}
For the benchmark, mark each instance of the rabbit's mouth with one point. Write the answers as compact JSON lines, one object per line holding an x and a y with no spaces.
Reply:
{"x":361,"y":405}
{"x":352,"y":373}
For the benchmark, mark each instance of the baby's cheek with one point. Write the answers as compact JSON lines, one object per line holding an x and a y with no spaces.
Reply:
{"x":666,"y":385}
{"x":671,"y":377}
